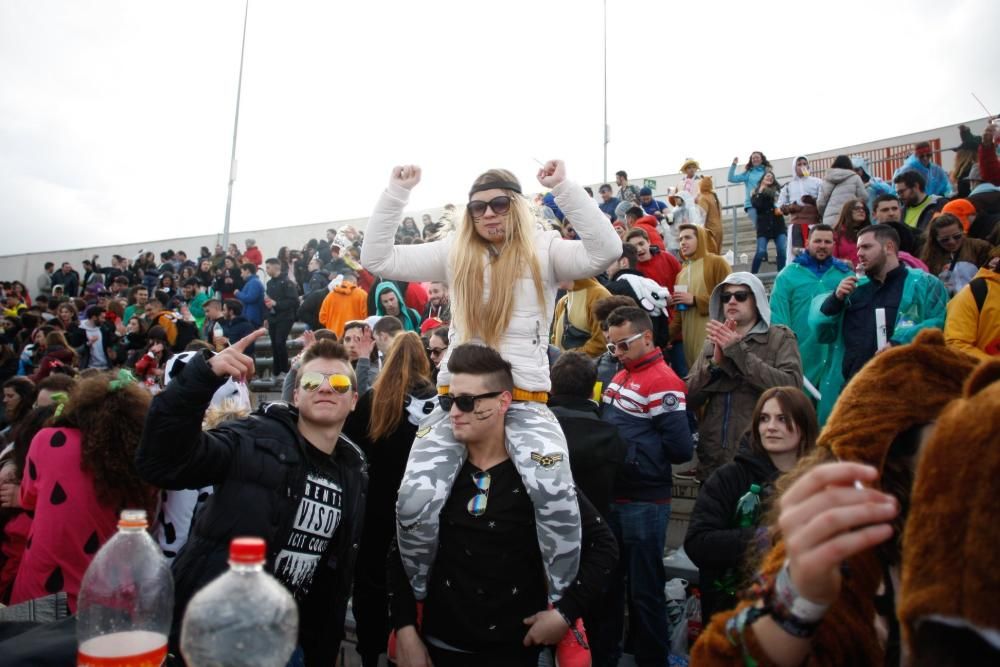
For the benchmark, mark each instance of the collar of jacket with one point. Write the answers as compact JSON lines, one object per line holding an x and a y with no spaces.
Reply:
{"x":288,"y":416}
{"x":643,"y":361}
{"x":820,"y":268}
{"x":573,"y":403}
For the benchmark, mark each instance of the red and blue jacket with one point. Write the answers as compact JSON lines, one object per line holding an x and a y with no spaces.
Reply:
{"x":648,"y":403}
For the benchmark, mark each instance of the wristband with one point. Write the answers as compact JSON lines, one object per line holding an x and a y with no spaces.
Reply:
{"x":790,"y":600}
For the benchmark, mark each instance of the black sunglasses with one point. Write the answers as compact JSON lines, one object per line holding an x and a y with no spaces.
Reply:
{"x":465,"y":403}
{"x":740,"y":296}
{"x":499,"y":205}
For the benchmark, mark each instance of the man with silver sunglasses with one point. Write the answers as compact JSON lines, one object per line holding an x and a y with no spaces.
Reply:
{"x":285,"y":473}
{"x":486,"y":601}
{"x":647,"y":402}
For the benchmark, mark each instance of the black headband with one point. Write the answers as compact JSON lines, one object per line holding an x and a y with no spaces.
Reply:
{"x":495,"y":185}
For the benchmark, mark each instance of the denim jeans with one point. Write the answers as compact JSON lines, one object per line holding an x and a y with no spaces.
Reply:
{"x":641,"y":531}
{"x":761,"y":254}
{"x":677,"y":360}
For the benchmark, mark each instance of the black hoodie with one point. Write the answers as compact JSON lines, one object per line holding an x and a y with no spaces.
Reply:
{"x":712,"y":543}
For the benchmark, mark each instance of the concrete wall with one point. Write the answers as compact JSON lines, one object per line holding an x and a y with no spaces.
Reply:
{"x":27,"y":267}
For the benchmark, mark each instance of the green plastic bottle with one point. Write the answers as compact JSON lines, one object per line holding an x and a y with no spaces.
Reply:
{"x":748,"y":508}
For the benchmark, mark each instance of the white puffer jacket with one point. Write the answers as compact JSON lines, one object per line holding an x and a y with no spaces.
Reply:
{"x":525,"y":344}
{"x":839,"y":186}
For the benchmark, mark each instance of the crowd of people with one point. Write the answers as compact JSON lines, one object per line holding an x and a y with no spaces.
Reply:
{"x":500,"y":401}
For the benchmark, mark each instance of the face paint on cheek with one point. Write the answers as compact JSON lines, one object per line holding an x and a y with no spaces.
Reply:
{"x":483,"y":415}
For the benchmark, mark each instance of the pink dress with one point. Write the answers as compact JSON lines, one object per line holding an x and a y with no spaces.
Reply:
{"x":70,"y":524}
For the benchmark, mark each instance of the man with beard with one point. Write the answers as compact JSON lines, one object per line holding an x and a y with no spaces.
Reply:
{"x":810,"y":274}
{"x":911,"y":300}
{"x":438,"y":302}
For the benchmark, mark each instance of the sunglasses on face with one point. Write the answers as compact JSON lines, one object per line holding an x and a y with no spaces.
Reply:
{"x":436,"y":351}
{"x":477,"y":504}
{"x":740,"y":296}
{"x":622,"y":345}
{"x":499,"y":206}
{"x":465,"y":403}
{"x":313,"y":380}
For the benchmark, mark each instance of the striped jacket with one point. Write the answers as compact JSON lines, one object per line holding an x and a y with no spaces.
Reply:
{"x":648,"y":404}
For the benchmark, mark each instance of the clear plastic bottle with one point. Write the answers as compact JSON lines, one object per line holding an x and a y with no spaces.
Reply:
{"x":126,"y":600}
{"x":244,"y":618}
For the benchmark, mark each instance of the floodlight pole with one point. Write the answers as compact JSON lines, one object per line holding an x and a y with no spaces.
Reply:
{"x":606,"y":133}
{"x":236,"y":124}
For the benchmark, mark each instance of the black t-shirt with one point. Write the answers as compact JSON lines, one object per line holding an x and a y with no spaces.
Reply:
{"x":316,"y":521}
{"x":488,"y":574}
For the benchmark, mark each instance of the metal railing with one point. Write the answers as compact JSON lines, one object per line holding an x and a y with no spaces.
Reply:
{"x":882,"y":163}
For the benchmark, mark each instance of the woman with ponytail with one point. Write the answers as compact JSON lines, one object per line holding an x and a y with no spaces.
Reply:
{"x":404,"y":395}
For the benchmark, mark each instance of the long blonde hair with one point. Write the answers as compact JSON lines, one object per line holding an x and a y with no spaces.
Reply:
{"x":488,"y":319}
{"x":406,"y":367}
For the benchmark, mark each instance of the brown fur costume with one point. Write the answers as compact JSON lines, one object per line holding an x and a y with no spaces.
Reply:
{"x":898,"y":389}
{"x":953,"y":534}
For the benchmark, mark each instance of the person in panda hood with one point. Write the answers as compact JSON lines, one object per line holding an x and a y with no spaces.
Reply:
{"x":179,"y":508}
{"x":625,"y":280}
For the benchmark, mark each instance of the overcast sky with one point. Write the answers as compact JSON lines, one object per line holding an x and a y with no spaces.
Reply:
{"x":116,"y":118}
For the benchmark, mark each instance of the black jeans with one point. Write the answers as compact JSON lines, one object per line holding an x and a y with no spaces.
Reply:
{"x":279,"y":330}
{"x":442,"y":658}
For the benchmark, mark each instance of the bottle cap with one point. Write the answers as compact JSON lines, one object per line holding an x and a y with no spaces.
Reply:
{"x":247,"y":550}
{"x":755,"y":488}
{"x":132,"y":519}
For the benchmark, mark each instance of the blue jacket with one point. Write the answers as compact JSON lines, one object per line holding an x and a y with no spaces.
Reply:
{"x":608,"y":207}
{"x":750,"y":178}
{"x":937,"y":179}
{"x":648,"y":404}
{"x":251,"y":295}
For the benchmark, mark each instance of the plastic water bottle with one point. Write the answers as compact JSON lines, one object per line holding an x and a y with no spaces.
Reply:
{"x":126,"y":600}
{"x":245,"y":618}
{"x":748,"y":508}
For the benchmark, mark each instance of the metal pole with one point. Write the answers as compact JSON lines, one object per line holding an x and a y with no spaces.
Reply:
{"x":236,"y":124}
{"x":605,"y":91}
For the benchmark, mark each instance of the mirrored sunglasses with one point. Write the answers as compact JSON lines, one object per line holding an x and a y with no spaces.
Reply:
{"x":313,"y":380}
{"x":477,"y":503}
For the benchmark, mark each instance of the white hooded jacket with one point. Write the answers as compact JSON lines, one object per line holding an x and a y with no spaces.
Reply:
{"x":799,"y":186}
